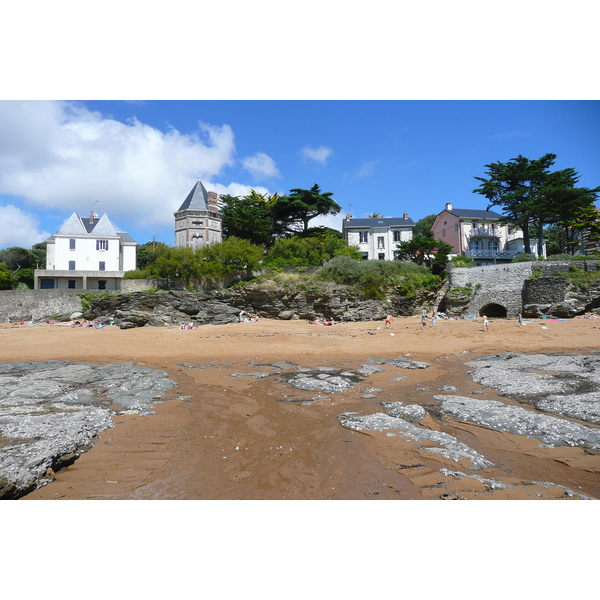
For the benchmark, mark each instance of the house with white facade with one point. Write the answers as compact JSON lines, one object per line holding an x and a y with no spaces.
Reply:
{"x":480,"y":235}
{"x":198,"y":221}
{"x":87,"y":254}
{"x":377,"y":238}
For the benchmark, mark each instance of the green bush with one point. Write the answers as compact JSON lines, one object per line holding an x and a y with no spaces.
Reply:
{"x":462,"y":261}
{"x":524,"y":258}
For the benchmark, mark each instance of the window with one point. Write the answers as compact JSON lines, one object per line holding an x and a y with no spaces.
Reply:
{"x":381,"y":256}
{"x":71,"y":284}
{"x":365,"y":256}
{"x":101,"y":284}
{"x":455,"y":226}
{"x":102,"y":266}
{"x":397,"y":237}
{"x":474,"y":245}
{"x":71,"y":265}
{"x":71,"y":244}
{"x":196,"y":222}
{"x":101,"y":244}
{"x":493,"y":246}
{"x":363,"y":237}
{"x":380,"y":242}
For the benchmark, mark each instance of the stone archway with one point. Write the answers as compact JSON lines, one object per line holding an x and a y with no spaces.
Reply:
{"x":493,"y":310}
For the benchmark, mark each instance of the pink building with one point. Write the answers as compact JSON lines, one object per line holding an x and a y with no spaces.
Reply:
{"x":479,"y":234}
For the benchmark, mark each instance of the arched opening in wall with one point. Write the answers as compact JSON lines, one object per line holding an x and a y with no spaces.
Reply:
{"x":493,"y":310}
{"x":442,"y":306}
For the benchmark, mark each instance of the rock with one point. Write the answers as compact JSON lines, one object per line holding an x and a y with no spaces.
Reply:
{"x":51,"y":411}
{"x":447,"y":446}
{"x":521,"y":421}
{"x":410,"y":412}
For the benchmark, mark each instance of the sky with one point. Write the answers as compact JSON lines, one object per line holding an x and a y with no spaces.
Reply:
{"x":138,"y":160}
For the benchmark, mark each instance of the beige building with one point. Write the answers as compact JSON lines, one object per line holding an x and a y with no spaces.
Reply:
{"x":198,"y":221}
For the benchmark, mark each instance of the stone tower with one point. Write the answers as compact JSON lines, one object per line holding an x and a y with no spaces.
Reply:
{"x":198,"y":221}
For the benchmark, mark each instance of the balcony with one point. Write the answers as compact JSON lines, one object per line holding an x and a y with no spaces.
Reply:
{"x":484,"y":232}
{"x":495,"y":254}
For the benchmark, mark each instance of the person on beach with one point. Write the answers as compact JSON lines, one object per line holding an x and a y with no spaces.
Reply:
{"x":424,"y":318}
{"x":388,"y":321}
{"x":520,"y":319}
{"x":485,"y":323}
{"x":433,"y":317}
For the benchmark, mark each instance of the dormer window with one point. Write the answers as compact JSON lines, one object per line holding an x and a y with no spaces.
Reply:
{"x":101,"y":244}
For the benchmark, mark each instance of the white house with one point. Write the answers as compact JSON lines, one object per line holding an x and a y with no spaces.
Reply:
{"x":198,"y":221}
{"x":87,"y":253}
{"x":377,"y":238}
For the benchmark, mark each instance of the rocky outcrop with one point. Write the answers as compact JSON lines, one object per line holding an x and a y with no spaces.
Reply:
{"x":559,"y":297}
{"x":224,"y":306}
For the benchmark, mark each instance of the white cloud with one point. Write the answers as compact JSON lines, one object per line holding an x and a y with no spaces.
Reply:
{"x":332,"y":221}
{"x":366,"y":169}
{"x":19,"y":228}
{"x":320,"y":154}
{"x":61,"y":155}
{"x":261,"y":165}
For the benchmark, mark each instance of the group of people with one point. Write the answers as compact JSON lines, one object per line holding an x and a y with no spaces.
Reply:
{"x":327,"y":322}
{"x":187,"y":326}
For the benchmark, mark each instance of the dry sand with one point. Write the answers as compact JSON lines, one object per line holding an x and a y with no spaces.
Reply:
{"x":223,"y":437}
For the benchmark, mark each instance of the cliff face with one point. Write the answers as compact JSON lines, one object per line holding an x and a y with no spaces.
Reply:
{"x":224,"y":306}
{"x":559,"y":297}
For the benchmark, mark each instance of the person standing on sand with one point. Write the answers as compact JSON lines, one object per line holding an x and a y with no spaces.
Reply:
{"x":433,"y":317}
{"x":485,"y":323}
{"x":520,"y":318}
{"x":424,"y":318}
{"x":388,"y":321}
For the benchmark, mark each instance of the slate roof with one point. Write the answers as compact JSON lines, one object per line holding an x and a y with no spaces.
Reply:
{"x":196,"y":199}
{"x":468,"y":213}
{"x":76,"y":225}
{"x":383,"y":222}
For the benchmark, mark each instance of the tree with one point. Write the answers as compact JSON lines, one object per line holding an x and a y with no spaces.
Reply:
{"x":425,"y":251}
{"x":21,"y":263}
{"x":300,"y":206}
{"x":514,"y":186}
{"x":375,"y":215}
{"x":583,"y":224}
{"x":147,"y":254}
{"x":250,"y":217}
{"x":532,"y":197}
{"x":7,"y":280}
{"x":423,"y":226}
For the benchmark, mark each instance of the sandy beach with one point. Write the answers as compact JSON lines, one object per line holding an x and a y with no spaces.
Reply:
{"x":222,"y":437}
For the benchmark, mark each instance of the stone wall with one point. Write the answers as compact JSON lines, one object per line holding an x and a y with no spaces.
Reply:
{"x":503,"y":286}
{"x":37,"y":304}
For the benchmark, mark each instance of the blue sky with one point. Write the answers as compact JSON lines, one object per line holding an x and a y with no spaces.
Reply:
{"x":137,"y":160}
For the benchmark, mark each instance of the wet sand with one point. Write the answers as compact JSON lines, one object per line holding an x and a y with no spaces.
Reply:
{"x":224,"y":437}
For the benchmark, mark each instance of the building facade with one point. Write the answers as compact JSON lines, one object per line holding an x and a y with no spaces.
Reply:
{"x":198,"y":221}
{"x":377,"y":239}
{"x":480,"y":235}
{"x":87,"y":254}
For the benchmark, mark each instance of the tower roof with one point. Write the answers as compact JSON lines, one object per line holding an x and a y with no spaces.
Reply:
{"x":196,"y":199}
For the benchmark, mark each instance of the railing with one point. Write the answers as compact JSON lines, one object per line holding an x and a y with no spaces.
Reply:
{"x":485,"y":232}
{"x":509,"y":254}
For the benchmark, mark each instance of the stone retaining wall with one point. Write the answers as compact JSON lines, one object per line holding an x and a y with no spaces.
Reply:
{"x":37,"y":304}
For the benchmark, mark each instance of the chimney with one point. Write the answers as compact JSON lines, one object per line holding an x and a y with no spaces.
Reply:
{"x":348,"y":216}
{"x":213,"y":201}
{"x":405,"y":216}
{"x":92,"y":218}
{"x":448,"y":207}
